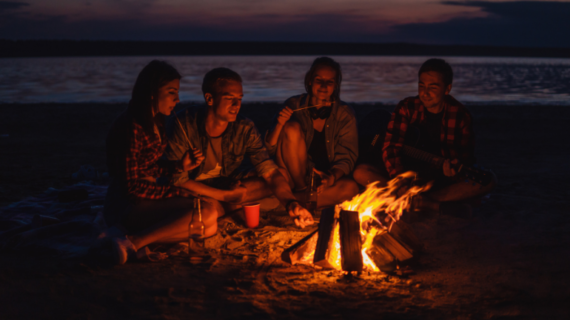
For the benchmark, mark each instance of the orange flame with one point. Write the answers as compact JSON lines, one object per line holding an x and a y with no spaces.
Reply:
{"x":393,"y":200}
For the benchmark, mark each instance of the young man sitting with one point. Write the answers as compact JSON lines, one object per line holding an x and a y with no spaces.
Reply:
{"x":445,"y":126}
{"x":224,"y":138}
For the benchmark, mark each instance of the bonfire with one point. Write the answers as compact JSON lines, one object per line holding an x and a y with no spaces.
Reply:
{"x":359,"y":236}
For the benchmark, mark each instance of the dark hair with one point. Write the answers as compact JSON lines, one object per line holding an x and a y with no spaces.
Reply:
{"x":216,"y":78}
{"x":324,"y":62}
{"x":440,"y":66}
{"x":153,"y":76}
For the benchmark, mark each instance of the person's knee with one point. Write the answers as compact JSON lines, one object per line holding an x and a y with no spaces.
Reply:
{"x":210,"y":218}
{"x":362,"y":173}
{"x":292,"y":131}
{"x":349,"y":188}
{"x":210,"y":213}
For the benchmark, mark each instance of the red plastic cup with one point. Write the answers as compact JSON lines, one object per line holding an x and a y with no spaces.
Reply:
{"x":251,"y":211}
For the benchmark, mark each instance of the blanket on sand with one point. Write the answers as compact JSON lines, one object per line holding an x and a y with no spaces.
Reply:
{"x":67,"y":223}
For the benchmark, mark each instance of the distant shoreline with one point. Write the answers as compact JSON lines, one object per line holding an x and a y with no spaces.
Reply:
{"x":71,"y":48}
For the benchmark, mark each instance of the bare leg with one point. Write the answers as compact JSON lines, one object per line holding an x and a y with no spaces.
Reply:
{"x":365,"y":174}
{"x":174,"y":227}
{"x":344,"y":189}
{"x":292,"y":153}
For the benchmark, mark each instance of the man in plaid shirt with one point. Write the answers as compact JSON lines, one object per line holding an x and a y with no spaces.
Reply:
{"x":447,"y":131}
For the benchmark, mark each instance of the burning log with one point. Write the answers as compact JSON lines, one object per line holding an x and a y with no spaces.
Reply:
{"x":350,"y":241}
{"x":302,"y":251}
{"x":397,"y":247}
{"x":325,"y":239}
{"x":365,"y":232}
{"x":404,"y":234}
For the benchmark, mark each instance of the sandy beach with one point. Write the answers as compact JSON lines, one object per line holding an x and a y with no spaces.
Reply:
{"x":511,"y":260}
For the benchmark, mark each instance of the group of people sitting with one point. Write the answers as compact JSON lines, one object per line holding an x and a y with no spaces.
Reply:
{"x":159,"y":166}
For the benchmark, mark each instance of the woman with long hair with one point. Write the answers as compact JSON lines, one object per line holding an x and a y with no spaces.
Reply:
{"x":141,"y":201}
{"x":316,"y":132}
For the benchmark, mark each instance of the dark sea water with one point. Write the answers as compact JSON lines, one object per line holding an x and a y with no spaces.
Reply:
{"x":274,"y":78}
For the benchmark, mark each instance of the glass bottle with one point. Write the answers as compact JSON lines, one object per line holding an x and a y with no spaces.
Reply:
{"x":196,"y":229}
{"x":311,"y":203}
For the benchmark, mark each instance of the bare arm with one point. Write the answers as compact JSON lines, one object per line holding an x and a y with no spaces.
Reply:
{"x":282,"y":191}
{"x":195,"y":188}
{"x":273,"y":135}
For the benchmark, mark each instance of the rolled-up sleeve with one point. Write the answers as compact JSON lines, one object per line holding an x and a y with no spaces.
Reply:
{"x":395,"y":133}
{"x":292,"y":103}
{"x":257,"y":152}
{"x":346,"y":142}
{"x":178,"y":143}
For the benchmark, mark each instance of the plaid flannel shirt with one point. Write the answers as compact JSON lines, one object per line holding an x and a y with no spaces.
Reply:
{"x":457,"y":139}
{"x":142,"y":161}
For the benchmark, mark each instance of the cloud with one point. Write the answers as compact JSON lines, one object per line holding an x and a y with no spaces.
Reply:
{"x":10,"y":5}
{"x":517,"y":23}
{"x":325,"y":28}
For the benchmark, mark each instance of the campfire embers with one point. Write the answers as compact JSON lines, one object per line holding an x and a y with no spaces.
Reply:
{"x":364,"y":233}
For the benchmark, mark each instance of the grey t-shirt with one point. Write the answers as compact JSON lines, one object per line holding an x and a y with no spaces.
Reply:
{"x":213,"y":160}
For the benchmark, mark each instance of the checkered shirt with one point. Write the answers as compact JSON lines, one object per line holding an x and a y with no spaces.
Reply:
{"x":457,"y":139}
{"x":142,"y":161}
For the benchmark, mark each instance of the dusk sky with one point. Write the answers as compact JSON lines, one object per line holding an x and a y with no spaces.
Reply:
{"x":508,"y":23}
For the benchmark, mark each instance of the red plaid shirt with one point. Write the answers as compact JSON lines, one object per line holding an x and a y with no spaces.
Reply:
{"x":457,"y":138}
{"x":142,"y":162}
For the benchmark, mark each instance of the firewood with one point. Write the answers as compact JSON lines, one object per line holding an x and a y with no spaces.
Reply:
{"x":404,"y":234}
{"x":324,"y":242}
{"x":382,"y":258}
{"x":398,"y":247}
{"x":387,"y":242}
{"x":302,"y":249}
{"x":350,"y":241}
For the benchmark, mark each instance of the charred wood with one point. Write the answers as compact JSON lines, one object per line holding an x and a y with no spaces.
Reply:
{"x":350,"y":241}
{"x":325,"y":239}
{"x":398,"y":247}
{"x":302,"y":249}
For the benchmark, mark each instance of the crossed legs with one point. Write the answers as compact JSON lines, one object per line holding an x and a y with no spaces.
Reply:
{"x":292,"y":158}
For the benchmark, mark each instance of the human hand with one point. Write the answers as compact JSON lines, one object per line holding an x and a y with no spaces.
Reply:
{"x":236,"y":194}
{"x":284,"y":115}
{"x":191,"y":162}
{"x":449,"y":167}
{"x":327,"y":180}
{"x":300,"y":215}
{"x":183,"y":192}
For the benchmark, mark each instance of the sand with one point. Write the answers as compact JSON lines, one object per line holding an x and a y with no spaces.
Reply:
{"x":511,"y":260}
